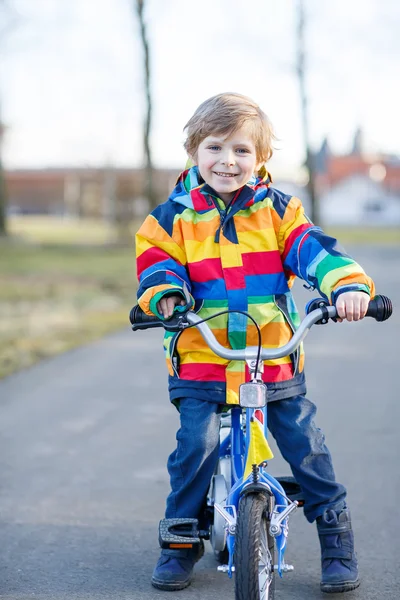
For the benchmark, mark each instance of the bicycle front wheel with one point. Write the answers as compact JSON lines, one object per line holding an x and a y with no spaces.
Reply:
{"x":254,"y":550}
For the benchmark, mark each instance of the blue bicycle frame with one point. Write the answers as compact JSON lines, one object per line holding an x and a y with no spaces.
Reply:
{"x":235,"y":447}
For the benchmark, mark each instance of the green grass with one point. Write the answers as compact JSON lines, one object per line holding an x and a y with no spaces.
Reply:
{"x":56,"y":230}
{"x":387,"y":236}
{"x":53,"y":298}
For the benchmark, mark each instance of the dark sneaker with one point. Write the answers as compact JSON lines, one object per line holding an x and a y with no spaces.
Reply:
{"x":338,"y":559}
{"x":172,"y":573}
{"x":174,"y":569}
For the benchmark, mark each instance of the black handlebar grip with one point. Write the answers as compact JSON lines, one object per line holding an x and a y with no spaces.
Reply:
{"x":139,"y":319}
{"x":380,"y":308}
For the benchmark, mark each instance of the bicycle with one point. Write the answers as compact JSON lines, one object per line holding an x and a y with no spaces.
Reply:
{"x":248,"y":508}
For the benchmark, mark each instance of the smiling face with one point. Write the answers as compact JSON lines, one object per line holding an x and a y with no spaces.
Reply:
{"x":227,"y":163}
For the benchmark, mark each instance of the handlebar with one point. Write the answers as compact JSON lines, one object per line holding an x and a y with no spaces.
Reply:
{"x":380,"y":308}
{"x":318,"y":311}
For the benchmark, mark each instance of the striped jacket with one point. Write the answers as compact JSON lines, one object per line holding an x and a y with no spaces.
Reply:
{"x":244,"y":257}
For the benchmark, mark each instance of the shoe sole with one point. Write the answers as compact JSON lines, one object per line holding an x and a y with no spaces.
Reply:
{"x":170,"y":587}
{"x":337,"y":588}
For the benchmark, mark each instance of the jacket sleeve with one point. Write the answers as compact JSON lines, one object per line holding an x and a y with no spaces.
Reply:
{"x":314,"y":256}
{"x":161,"y":265}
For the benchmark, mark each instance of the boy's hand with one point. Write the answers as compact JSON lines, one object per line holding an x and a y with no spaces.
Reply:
{"x":166,"y":305}
{"x":352,"y":306}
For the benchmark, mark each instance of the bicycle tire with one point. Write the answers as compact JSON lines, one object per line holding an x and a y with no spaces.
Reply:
{"x":254,"y":550}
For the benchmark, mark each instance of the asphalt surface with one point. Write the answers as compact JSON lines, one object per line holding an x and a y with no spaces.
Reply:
{"x":84,"y":439}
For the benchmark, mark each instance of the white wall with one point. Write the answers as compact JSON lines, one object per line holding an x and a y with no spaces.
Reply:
{"x":358,"y":200}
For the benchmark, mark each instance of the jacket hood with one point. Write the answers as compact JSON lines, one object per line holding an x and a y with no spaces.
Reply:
{"x":192,"y":191}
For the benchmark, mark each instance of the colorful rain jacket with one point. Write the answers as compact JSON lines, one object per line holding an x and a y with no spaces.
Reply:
{"x":242,"y":257}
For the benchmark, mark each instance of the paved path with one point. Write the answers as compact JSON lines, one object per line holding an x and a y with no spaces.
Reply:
{"x":83,"y":445}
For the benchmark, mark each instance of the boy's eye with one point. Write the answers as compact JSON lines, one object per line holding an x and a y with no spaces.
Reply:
{"x":214,"y":147}
{"x":242,"y":150}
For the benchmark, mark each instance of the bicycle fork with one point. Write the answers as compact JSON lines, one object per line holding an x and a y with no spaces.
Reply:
{"x":279,"y":517}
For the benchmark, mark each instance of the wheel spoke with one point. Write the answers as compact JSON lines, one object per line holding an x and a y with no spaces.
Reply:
{"x":263,"y":548}
{"x":264,"y":590}
{"x":264,"y":580}
{"x":265,"y":565}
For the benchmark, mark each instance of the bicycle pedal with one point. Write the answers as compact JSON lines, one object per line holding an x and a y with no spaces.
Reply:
{"x":178,"y":533}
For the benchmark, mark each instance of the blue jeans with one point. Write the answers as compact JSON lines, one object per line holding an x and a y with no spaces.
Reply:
{"x":291,"y":422}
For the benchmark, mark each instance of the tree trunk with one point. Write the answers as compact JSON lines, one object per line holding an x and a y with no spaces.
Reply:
{"x":149,"y":192}
{"x":3,"y":192}
{"x":314,"y":201}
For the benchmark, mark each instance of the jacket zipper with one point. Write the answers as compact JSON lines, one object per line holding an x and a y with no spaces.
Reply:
{"x":222,"y":216}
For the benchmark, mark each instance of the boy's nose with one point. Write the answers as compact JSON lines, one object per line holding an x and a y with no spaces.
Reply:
{"x":228,"y":159}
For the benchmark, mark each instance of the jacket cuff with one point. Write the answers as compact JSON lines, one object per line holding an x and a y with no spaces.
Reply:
{"x":361,"y":287}
{"x":170,"y":292}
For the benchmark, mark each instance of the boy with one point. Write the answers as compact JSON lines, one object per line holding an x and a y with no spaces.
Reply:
{"x":231,"y":240}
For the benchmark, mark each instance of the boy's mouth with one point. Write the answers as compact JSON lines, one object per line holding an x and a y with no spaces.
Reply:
{"x":225,"y":174}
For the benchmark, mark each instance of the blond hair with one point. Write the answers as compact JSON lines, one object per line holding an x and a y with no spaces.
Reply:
{"x":224,"y":114}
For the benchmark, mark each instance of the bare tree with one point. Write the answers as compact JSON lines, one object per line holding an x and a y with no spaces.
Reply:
{"x":301,"y":71}
{"x":3,"y":191}
{"x":9,"y":22}
{"x":149,"y":171}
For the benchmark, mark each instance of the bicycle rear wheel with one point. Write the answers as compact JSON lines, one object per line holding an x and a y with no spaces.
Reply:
{"x":254,"y":550}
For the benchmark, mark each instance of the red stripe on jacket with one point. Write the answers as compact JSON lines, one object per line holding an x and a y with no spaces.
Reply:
{"x":204,"y":270}
{"x":202,"y":372}
{"x":254,"y":263}
{"x":262,"y":263}
{"x":151,"y":256}
{"x":234,"y":278}
{"x":293,"y":237}
{"x":215,"y":372}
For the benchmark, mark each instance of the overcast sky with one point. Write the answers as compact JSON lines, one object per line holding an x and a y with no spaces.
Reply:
{"x":71,"y":78}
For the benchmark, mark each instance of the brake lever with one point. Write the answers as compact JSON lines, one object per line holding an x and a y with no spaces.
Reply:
{"x":177,"y":322}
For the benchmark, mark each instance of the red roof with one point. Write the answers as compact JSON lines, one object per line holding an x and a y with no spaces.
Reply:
{"x":342,"y":167}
